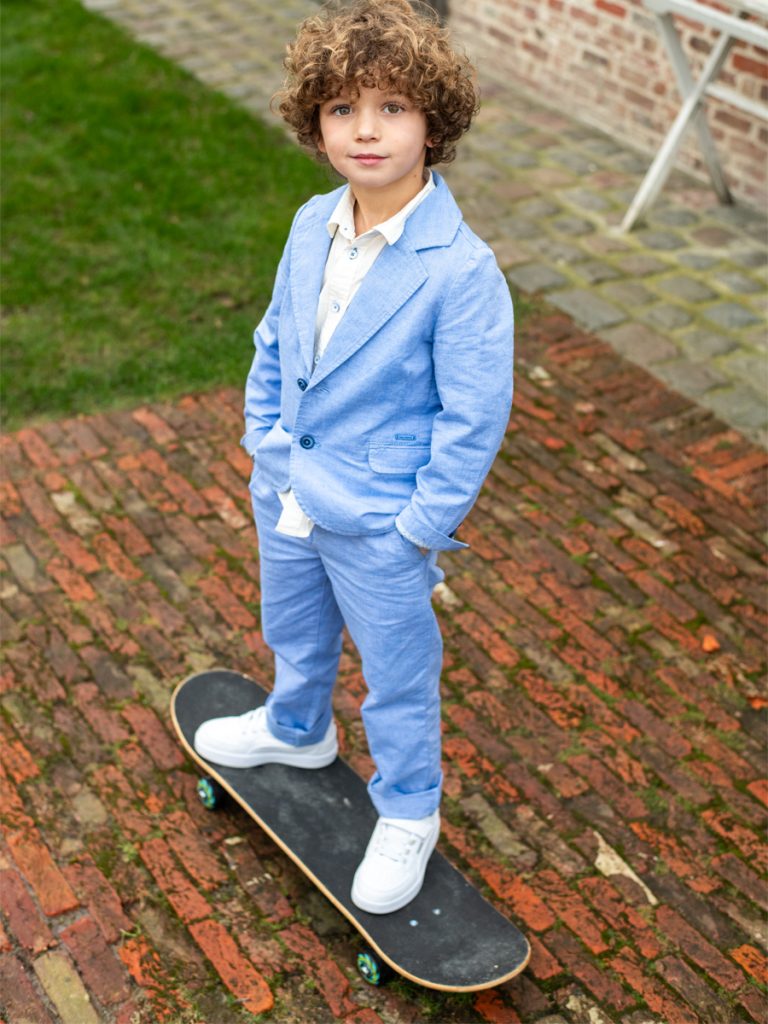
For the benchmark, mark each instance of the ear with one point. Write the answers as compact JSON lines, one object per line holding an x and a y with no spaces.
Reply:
{"x":320,"y":144}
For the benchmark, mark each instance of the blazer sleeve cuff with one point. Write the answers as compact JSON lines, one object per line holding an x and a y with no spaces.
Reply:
{"x":423,"y":535}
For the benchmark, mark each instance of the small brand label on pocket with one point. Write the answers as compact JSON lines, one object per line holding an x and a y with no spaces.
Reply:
{"x":405,"y":437}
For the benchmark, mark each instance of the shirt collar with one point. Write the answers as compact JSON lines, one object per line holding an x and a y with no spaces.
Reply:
{"x":343,"y":218}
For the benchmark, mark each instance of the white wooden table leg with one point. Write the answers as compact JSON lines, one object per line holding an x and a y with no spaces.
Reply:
{"x":687,"y":84}
{"x":661,"y":167}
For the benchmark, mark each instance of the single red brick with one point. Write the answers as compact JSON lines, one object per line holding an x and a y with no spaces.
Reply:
{"x":543,"y":964}
{"x":264,"y":891}
{"x":157,"y":986}
{"x":243,"y":980}
{"x":10,"y":502}
{"x":157,"y":428}
{"x":229,"y":608}
{"x":74,"y":550}
{"x":102,"y":973}
{"x":20,"y":999}
{"x":569,"y":907}
{"x":743,"y":838}
{"x":617,"y":10}
{"x":18,"y":761}
{"x":527,"y":904}
{"x":95,"y":892}
{"x":333,"y":984}
{"x":73,"y":583}
{"x":753,"y":961}
{"x":24,"y":919}
{"x":181,"y":893}
{"x":131,"y":539}
{"x":491,"y":1007}
{"x":364,"y":1016}
{"x":105,"y":723}
{"x":39,"y":504}
{"x":113,"y":557}
{"x":164,"y":751}
{"x":39,"y":453}
{"x":225,"y":508}
{"x":194,"y":851}
{"x":759,"y":789}
{"x":189,"y":498}
{"x":39,"y":868}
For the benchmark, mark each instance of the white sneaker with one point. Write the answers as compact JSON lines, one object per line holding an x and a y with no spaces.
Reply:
{"x":392,"y":871}
{"x":244,"y":741}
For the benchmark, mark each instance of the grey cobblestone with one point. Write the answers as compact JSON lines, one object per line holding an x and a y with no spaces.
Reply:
{"x":587,"y":308}
{"x":739,"y":283}
{"x":696,"y":379}
{"x":536,"y":277}
{"x":731,"y":314}
{"x":627,"y":293}
{"x":640,"y":344}
{"x":702,"y":344}
{"x":548,"y":193}
{"x":666,"y":317}
{"x":594,"y":271}
{"x":687,"y":288}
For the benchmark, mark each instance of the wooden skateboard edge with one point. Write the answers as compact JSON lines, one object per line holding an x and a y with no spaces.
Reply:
{"x":211,"y":770}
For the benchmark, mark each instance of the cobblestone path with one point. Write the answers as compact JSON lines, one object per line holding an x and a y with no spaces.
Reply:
{"x":685,"y":295}
{"x":603,"y":713}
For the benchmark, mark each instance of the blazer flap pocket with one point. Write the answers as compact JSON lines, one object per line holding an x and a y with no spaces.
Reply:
{"x":398,"y":458}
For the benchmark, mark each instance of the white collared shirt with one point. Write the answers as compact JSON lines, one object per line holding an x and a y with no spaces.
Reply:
{"x":349,"y":260}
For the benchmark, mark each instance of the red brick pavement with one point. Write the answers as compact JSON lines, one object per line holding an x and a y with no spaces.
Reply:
{"x":606,"y":779}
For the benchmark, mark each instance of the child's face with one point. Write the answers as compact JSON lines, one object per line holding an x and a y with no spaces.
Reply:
{"x":377,"y":141}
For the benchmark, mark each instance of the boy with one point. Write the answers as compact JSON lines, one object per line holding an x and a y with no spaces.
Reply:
{"x":378,"y":397}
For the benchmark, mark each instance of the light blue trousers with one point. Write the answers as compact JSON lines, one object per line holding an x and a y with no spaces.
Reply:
{"x":380,"y":586}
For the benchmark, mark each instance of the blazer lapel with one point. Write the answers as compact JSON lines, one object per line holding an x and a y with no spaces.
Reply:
{"x":394,"y":277}
{"x":309,"y":252}
{"x":392,"y":280}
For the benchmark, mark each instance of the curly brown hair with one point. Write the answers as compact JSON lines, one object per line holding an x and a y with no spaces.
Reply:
{"x":385,"y":43}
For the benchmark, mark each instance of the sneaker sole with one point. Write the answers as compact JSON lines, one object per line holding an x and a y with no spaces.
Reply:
{"x":319,"y":759}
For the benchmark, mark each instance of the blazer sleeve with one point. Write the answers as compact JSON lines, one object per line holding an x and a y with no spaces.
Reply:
{"x":262,"y":387}
{"x":473,"y":366}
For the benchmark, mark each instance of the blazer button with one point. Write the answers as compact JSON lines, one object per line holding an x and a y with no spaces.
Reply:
{"x":302,"y":383}
{"x":307,"y":441}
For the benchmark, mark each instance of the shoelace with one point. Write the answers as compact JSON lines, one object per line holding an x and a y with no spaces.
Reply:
{"x":395,"y":843}
{"x":250,"y":719}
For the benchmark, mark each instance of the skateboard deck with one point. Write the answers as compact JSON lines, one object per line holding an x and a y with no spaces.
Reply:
{"x":449,"y":937}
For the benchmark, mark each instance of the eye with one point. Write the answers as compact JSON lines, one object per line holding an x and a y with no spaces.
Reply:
{"x":393,"y":108}
{"x":340,"y":109}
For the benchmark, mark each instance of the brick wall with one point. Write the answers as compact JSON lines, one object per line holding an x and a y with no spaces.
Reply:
{"x":603,"y":62}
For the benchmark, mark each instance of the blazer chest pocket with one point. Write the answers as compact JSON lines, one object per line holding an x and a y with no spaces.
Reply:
{"x":398,"y":458}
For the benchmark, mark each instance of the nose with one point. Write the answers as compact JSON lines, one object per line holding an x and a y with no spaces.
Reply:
{"x":366,"y":125}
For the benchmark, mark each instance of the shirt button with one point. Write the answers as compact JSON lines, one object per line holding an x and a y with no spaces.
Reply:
{"x":302,"y":383}
{"x":335,"y":307}
{"x":353,"y":254}
{"x":307,"y":441}
{"x":316,"y":360}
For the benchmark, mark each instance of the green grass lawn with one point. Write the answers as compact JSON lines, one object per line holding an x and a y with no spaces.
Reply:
{"x":143,"y":219}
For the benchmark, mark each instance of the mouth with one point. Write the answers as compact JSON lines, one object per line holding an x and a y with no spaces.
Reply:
{"x":368,"y":158}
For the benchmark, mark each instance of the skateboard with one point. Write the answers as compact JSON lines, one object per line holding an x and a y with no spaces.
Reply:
{"x":449,"y":937}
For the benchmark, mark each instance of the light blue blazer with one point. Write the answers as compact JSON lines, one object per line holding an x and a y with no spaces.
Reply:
{"x":400,"y":420}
